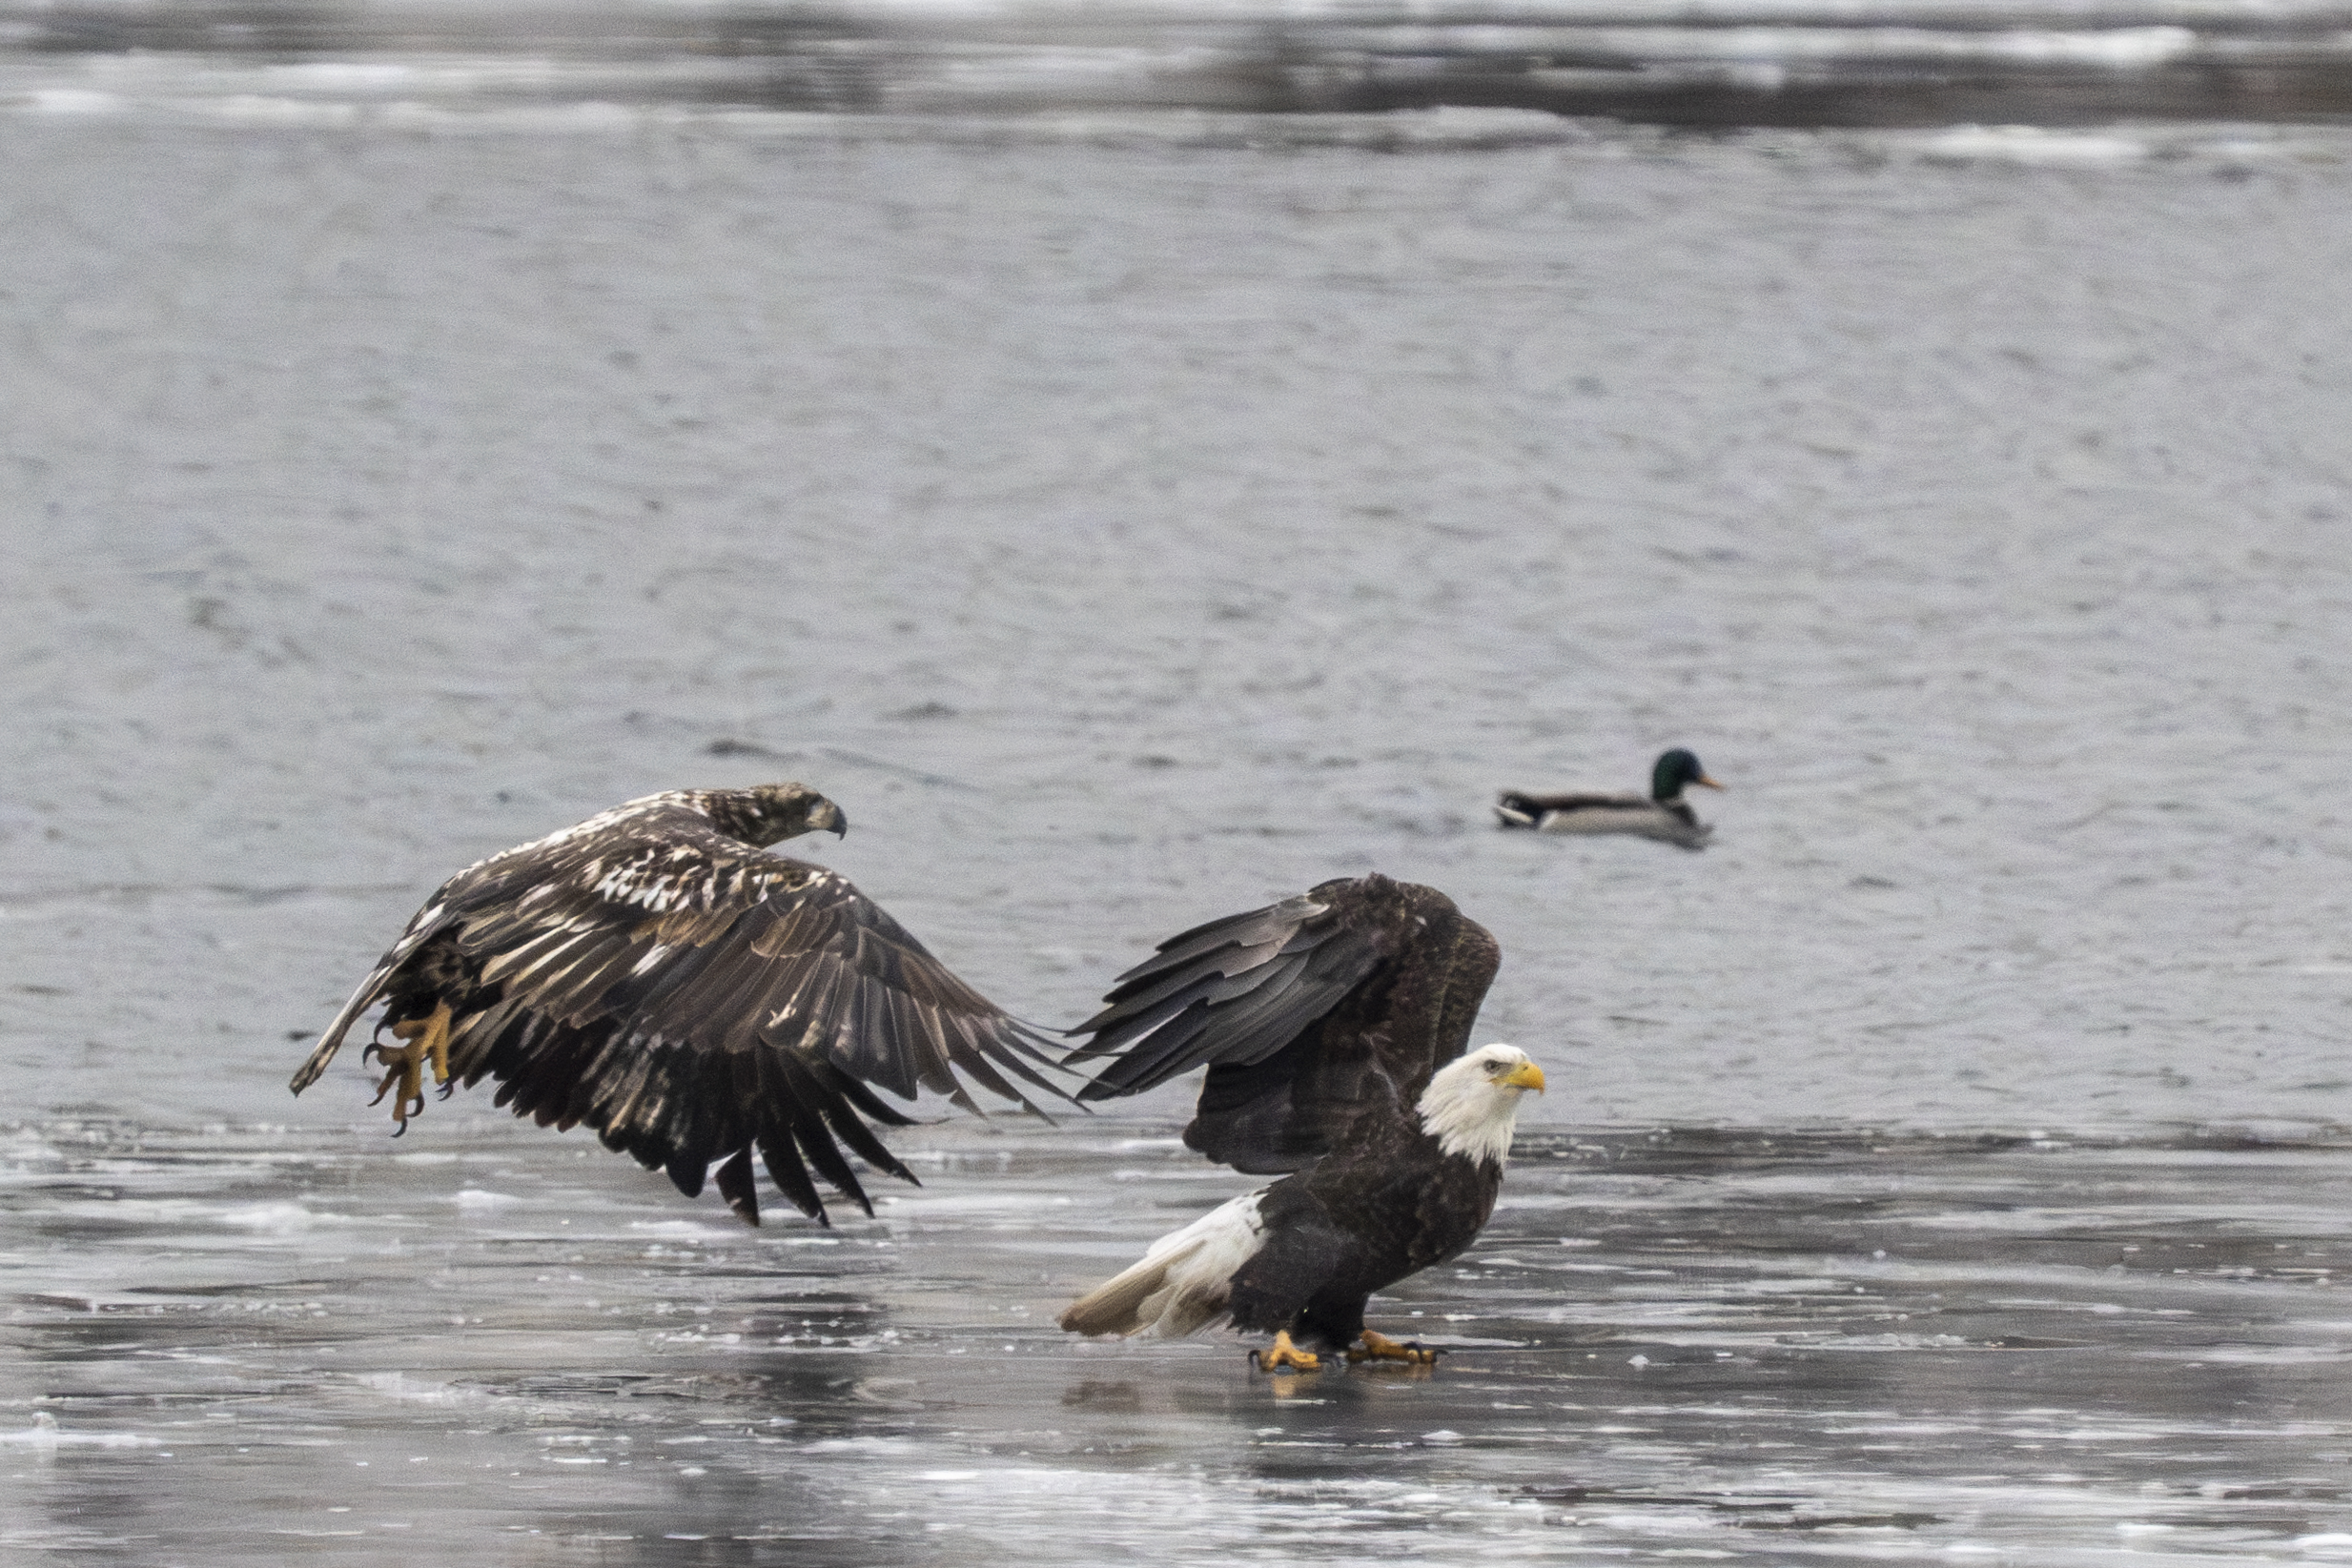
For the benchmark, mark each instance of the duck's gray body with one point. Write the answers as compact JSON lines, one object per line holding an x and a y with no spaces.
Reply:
{"x":1673,"y":822}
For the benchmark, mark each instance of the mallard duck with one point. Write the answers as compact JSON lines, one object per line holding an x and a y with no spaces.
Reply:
{"x":1664,"y":815}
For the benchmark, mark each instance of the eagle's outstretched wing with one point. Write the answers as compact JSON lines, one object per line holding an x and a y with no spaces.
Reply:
{"x":1311,"y":1015}
{"x":693,"y":998}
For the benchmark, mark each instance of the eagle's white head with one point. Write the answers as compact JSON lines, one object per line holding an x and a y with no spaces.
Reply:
{"x":1470,"y":1103}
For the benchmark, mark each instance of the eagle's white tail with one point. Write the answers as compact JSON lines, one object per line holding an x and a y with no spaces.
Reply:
{"x":1183,"y":1282}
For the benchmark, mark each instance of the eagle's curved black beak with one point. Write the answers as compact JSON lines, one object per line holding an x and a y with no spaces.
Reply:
{"x":825,"y":814}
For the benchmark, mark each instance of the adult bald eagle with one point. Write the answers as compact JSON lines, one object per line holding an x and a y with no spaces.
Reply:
{"x":654,"y":973}
{"x":1332,"y":1026}
{"x":1664,"y":814}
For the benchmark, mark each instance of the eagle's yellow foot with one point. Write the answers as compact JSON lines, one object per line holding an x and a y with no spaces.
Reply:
{"x":1379,"y":1347}
{"x":434,"y":1042}
{"x":428,"y":1040}
{"x":1284,"y":1357}
{"x":408,"y":1074}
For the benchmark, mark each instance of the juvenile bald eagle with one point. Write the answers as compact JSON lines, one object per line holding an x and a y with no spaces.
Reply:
{"x":1332,"y":1026}
{"x":1663,"y":815}
{"x":654,"y":973}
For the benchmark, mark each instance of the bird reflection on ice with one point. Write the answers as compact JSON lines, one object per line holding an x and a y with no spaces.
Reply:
{"x":1781,"y":1350}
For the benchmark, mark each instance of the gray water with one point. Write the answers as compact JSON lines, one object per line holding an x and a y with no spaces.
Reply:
{"x":1128,"y":520}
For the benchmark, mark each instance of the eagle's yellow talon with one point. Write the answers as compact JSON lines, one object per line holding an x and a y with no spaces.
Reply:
{"x":1284,"y":1357}
{"x":428,"y":1040}
{"x":1379,"y":1347}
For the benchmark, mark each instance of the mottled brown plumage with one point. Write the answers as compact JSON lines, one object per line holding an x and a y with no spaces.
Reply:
{"x":654,"y":973}
{"x":1322,"y":1022}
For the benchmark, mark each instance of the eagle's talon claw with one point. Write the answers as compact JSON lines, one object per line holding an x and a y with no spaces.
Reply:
{"x":1284,"y":1357}
{"x":1379,"y":1347}
{"x":427,"y":1042}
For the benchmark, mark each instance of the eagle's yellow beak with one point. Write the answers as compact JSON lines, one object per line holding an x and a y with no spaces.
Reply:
{"x":1528,"y":1077}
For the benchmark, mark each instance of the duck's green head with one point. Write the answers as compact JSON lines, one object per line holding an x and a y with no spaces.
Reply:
{"x":1677,"y":770}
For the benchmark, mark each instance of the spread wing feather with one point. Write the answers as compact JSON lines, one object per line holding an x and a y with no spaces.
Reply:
{"x":1213,"y":994}
{"x":693,"y":998}
{"x":1315,"y":1017}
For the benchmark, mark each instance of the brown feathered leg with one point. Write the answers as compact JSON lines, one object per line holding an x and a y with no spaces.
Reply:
{"x":1284,"y":1357}
{"x":428,"y":1040}
{"x":1379,"y":1347}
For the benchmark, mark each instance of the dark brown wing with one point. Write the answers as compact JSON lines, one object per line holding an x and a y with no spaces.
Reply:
{"x":694,"y":999}
{"x":1311,"y":1015}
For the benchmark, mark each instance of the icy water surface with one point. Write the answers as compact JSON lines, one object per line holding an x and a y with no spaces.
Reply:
{"x":1716,"y":63}
{"x":1130,"y":520}
{"x":1755,"y":1349}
